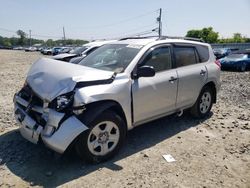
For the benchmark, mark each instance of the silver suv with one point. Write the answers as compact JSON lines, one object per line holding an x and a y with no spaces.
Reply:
{"x":93,"y":104}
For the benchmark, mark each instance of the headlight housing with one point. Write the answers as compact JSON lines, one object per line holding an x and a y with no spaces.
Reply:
{"x":64,"y":101}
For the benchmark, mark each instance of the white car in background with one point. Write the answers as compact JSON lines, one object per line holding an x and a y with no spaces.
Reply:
{"x":81,"y":51}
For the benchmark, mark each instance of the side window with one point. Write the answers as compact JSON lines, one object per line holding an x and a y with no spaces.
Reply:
{"x":203,"y":53}
{"x":159,"y":58}
{"x":185,"y":56}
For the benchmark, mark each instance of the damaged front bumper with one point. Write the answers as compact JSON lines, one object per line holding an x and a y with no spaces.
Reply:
{"x":56,"y":130}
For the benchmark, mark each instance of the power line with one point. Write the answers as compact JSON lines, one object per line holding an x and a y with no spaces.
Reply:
{"x":123,"y":21}
{"x":138,"y":29}
{"x":7,"y":30}
{"x":35,"y":35}
{"x":108,"y":25}
{"x":141,"y":33}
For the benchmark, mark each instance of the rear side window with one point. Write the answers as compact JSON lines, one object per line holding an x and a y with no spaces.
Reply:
{"x":203,"y":53}
{"x":185,"y":56}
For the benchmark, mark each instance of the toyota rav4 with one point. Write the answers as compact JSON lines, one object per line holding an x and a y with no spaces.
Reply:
{"x":92,"y":105}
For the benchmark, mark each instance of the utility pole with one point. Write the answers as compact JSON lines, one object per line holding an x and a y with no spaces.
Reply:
{"x":30,"y":37}
{"x":160,"y":25}
{"x":64,"y":36}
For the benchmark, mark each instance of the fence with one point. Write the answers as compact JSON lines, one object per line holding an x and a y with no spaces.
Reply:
{"x":240,"y":46}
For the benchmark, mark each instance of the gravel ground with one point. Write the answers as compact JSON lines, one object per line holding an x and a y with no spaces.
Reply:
{"x":212,"y":152}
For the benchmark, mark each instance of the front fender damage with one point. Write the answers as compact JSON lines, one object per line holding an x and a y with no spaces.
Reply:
{"x":66,"y":133}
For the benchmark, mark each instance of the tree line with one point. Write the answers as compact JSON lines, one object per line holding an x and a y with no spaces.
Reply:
{"x":210,"y":36}
{"x":207,"y":34}
{"x":23,"y":40}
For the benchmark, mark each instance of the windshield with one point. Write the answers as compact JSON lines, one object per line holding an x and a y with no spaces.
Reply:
{"x":237,"y":56}
{"x":111,"y":57}
{"x":78,"y":50}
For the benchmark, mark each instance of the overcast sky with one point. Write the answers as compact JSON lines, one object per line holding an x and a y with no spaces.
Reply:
{"x":98,"y":19}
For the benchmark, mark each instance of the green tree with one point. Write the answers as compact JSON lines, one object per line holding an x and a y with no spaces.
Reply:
{"x":22,"y":36}
{"x":50,"y":43}
{"x":237,"y":37}
{"x":6,"y":42}
{"x":194,"y":33}
{"x":207,"y":34}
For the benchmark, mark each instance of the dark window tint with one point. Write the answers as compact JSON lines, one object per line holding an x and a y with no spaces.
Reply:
{"x":203,"y":53}
{"x":159,"y":58}
{"x":91,"y":50}
{"x":185,"y":56}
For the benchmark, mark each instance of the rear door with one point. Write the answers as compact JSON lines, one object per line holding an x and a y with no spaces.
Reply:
{"x":154,"y":96}
{"x":191,"y":73}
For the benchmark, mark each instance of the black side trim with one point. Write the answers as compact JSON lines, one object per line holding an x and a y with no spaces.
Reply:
{"x":96,"y":82}
{"x":93,"y":110}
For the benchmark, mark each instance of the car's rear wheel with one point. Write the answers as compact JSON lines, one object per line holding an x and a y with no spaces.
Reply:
{"x":203,"y":104}
{"x":243,"y":67}
{"x":103,"y":139}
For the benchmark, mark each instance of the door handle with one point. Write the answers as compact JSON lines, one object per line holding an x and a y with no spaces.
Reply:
{"x":172,"y":79}
{"x":203,"y":72}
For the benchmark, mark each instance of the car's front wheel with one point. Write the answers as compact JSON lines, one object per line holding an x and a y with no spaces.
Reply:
{"x":203,"y":104}
{"x":104,"y":138}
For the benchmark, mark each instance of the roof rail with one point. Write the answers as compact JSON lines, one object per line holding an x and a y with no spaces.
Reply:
{"x":146,"y":37}
{"x":185,"y":38}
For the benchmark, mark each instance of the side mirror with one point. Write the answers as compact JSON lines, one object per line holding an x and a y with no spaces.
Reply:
{"x":144,"y":71}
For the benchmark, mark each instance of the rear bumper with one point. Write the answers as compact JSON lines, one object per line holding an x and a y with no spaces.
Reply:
{"x":56,"y":134}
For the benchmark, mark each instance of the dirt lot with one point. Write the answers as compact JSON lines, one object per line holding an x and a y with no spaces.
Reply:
{"x":213,"y":152}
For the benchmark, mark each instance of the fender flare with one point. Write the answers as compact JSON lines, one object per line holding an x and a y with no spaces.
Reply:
{"x":93,"y":110}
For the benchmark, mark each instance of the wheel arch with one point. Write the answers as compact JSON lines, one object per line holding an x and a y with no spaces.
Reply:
{"x":212,"y":86}
{"x":95,"y":108}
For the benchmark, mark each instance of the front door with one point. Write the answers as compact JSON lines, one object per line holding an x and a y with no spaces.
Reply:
{"x":154,"y":96}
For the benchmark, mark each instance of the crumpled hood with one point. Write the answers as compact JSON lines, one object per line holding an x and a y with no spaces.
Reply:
{"x":50,"y":78}
{"x":61,"y":56}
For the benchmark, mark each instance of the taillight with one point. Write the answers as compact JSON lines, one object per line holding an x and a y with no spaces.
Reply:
{"x":217,"y":62}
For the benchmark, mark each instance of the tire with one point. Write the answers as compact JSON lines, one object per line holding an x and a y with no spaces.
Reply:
{"x":95,"y":145}
{"x":243,"y":67}
{"x":204,"y":103}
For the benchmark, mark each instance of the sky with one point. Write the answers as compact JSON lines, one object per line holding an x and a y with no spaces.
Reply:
{"x":99,"y":19}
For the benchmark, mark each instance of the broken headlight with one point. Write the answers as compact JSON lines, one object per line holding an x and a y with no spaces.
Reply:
{"x":64,"y":101}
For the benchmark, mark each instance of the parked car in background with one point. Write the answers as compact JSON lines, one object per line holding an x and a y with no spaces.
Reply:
{"x":46,"y":51}
{"x":18,"y":48}
{"x":121,"y":85}
{"x":221,"y":52}
{"x":73,"y":53}
{"x":56,"y":50}
{"x":81,"y":51}
{"x":65,"y":50}
{"x":239,"y":61}
{"x":30,"y":49}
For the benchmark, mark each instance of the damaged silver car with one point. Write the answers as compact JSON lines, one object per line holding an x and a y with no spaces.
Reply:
{"x":92,"y":105}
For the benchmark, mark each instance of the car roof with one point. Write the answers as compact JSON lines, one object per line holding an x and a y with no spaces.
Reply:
{"x":98,"y":43}
{"x":155,"y":40}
